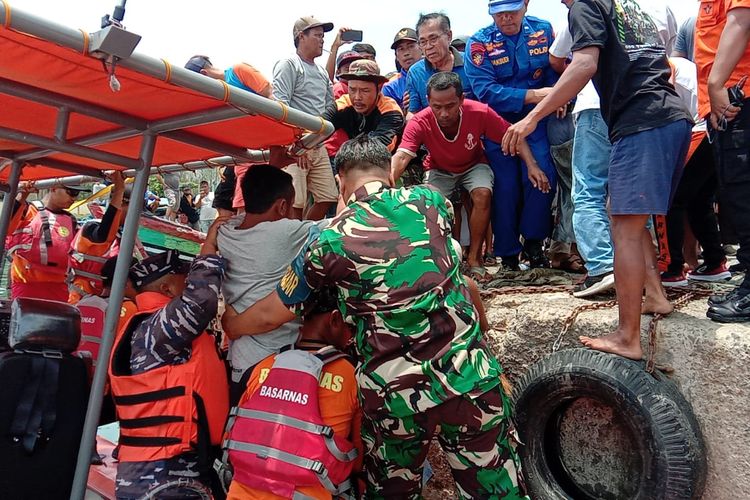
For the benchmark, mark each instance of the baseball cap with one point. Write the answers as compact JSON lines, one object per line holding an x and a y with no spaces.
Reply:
{"x":323,"y":300}
{"x":404,"y":34}
{"x":197,"y":63}
{"x":307,"y":22}
{"x":497,"y":6}
{"x":347,"y":57}
{"x":77,"y":189}
{"x":459,"y":40}
{"x":157,"y":266}
{"x":364,"y":69}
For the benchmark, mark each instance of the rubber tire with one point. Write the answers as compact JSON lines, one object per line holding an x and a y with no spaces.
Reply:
{"x":668,"y":436}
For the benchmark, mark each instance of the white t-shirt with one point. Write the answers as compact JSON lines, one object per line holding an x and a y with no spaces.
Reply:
{"x":207,"y":211}
{"x":588,"y":98}
{"x":685,"y":80}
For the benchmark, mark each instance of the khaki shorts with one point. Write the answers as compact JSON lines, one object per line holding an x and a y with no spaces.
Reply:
{"x":317,"y":180}
{"x":478,"y":176}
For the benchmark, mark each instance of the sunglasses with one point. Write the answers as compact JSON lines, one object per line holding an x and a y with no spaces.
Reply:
{"x":72,"y":192}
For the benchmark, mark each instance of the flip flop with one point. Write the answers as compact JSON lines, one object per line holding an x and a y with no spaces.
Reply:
{"x":478,"y":273}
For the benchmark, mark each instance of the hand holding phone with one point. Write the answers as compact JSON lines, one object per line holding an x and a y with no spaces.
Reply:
{"x":351,"y":36}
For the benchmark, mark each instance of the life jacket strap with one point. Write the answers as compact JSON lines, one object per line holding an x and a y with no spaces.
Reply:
{"x":46,"y":238}
{"x":80,"y":257}
{"x":150,"y":397}
{"x":313,"y":465}
{"x":276,"y":418}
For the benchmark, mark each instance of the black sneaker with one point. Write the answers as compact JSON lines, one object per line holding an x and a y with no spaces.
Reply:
{"x":715,"y":300}
{"x":738,"y":268}
{"x":510,"y":263}
{"x":593,"y":285}
{"x":534,"y":252}
{"x":735,"y":308}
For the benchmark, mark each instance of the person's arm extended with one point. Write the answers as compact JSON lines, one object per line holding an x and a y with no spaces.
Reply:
{"x":283,"y":81}
{"x":106,"y":230}
{"x":389,"y":125}
{"x":333,"y":54}
{"x":265,"y":315}
{"x":732,"y":46}
{"x":399,"y":162}
{"x":171,"y":331}
{"x":476,"y":299}
{"x":576,"y":76}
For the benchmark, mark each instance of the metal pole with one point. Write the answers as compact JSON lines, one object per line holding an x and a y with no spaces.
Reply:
{"x":7,"y":211}
{"x":259,"y":156}
{"x":130,"y":230}
{"x":66,"y":147}
{"x":68,"y":37}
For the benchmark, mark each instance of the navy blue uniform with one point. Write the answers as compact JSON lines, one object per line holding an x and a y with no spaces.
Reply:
{"x":500,"y":70}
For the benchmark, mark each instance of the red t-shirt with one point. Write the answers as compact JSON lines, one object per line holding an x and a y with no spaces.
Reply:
{"x":462,"y":152}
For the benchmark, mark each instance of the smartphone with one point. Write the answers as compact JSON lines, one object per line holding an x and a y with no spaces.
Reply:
{"x":351,"y":36}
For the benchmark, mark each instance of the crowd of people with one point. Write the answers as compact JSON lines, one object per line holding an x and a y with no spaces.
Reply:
{"x":343,"y":273}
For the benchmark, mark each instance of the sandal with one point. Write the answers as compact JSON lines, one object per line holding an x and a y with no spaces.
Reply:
{"x":478,"y":273}
{"x":569,"y":262}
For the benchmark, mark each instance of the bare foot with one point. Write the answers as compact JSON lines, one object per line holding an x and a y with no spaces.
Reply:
{"x":656,"y":305}
{"x":616,"y":342}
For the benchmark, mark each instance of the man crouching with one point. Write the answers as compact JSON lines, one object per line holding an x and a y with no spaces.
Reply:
{"x":168,"y":382}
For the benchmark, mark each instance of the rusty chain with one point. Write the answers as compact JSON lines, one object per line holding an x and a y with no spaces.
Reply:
{"x":678,"y":303}
{"x":571,"y":319}
{"x":679,"y":300}
{"x":492,"y":292}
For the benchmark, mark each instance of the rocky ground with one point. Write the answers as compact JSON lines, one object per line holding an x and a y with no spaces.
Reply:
{"x":709,"y":362}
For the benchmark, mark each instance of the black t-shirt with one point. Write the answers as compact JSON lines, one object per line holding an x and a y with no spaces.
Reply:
{"x":633,"y":74}
{"x":187,"y":208}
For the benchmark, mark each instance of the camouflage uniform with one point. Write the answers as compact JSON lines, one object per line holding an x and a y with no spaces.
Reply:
{"x":421,"y":353}
{"x":166,"y":338}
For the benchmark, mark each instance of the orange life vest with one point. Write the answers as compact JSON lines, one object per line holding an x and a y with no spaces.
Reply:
{"x":87,"y":259}
{"x":40,"y":248}
{"x":168,"y":410}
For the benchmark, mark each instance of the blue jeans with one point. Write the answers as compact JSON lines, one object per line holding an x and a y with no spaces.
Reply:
{"x":591,"y":149}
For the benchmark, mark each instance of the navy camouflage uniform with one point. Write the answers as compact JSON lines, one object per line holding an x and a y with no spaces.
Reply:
{"x":165,"y":338}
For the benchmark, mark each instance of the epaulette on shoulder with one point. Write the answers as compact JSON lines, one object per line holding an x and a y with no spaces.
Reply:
{"x":539,"y":21}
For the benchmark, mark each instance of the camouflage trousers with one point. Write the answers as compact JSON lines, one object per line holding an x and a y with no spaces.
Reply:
{"x":474,"y":433}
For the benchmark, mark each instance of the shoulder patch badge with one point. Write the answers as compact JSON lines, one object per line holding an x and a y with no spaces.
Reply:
{"x":477,"y":53}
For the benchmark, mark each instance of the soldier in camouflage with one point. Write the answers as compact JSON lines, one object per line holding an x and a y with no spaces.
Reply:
{"x":424,"y":369}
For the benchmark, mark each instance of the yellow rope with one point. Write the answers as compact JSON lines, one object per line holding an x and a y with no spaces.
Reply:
{"x":226,"y":90}
{"x":85,"y":42}
{"x":168,"y":69}
{"x":284,"y":112}
{"x":6,"y":5}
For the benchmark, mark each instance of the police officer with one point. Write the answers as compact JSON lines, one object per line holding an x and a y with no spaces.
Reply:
{"x":507,"y":64}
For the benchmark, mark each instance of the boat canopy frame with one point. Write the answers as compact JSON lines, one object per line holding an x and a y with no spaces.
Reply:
{"x":238,"y":103}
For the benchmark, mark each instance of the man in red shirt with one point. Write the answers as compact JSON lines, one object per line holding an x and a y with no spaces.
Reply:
{"x":452,"y":129}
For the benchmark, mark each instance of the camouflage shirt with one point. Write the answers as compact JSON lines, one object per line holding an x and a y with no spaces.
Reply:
{"x":389,"y":254}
